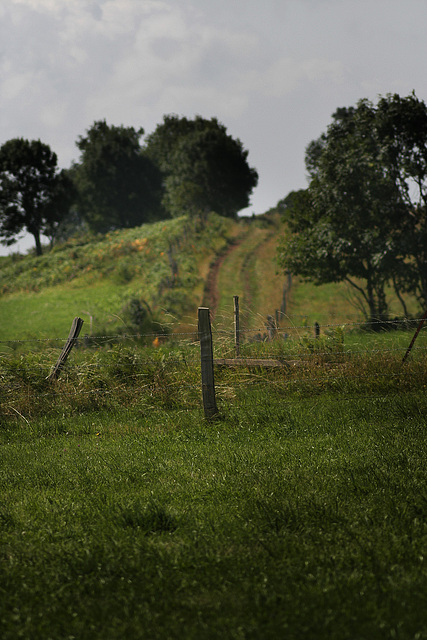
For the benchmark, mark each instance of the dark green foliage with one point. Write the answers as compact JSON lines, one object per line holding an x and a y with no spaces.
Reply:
{"x":160,"y":144}
{"x":34,"y":195}
{"x":119,"y":186}
{"x":402,"y":124}
{"x":205,"y":169}
{"x":359,"y":220}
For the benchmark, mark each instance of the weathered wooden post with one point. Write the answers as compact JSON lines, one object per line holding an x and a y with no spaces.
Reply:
{"x":283,"y":305}
{"x":420,"y":326}
{"x":236,"y":326}
{"x":206,"y":354}
{"x":271,"y":327}
{"x":71,"y":341}
{"x":316,"y":329}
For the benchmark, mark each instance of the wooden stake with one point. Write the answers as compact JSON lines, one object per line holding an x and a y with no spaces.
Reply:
{"x":206,"y":354}
{"x":236,"y":326}
{"x":71,"y":341}
{"x":316,"y":329}
{"x":408,"y":350}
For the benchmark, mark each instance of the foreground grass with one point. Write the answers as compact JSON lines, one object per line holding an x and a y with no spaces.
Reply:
{"x":301,"y":513}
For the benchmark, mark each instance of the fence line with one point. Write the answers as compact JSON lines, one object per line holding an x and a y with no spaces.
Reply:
{"x":218,"y":329}
{"x":203,"y":334}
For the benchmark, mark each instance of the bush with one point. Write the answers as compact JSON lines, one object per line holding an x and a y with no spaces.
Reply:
{"x":139,"y":319}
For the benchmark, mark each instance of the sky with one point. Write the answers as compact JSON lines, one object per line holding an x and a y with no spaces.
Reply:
{"x":271,"y":71}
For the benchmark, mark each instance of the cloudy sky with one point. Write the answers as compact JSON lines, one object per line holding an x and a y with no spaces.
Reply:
{"x":272,"y":71}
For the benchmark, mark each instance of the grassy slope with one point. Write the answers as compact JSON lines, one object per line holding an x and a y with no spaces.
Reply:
{"x":164,"y":263}
{"x":249,"y":271}
{"x":167,"y":264}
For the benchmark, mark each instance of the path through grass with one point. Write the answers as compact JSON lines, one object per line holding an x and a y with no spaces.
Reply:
{"x":249,"y":271}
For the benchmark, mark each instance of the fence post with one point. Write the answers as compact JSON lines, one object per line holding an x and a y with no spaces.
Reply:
{"x":283,"y":305}
{"x":420,"y":325}
{"x":271,"y":327}
{"x":316,"y":329}
{"x":71,"y":341}
{"x":236,"y":326}
{"x":206,"y":354}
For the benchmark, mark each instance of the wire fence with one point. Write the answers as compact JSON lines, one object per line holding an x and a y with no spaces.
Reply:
{"x":165,"y":368}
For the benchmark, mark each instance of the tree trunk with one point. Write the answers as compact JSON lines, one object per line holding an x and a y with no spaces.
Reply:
{"x":382,"y":307}
{"x":422,"y":270}
{"x":371,"y":301}
{"x":36,"y":235}
{"x":376,"y":297}
{"x":400,"y":298}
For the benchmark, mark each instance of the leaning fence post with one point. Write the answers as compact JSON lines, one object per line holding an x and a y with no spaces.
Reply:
{"x":420,"y":325}
{"x":316,"y":329}
{"x":236,"y":326}
{"x":206,"y":354}
{"x":71,"y":341}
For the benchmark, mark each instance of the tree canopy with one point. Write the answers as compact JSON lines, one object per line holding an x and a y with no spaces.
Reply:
{"x":204,"y":168}
{"x":34,"y":194}
{"x":359,"y":220}
{"x":118,"y":186}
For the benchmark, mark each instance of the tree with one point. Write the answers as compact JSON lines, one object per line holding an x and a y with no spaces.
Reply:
{"x":34,"y":194}
{"x":204,"y":168}
{"x":161,"y":143}
{"x":118,"y":186}
{"x":63,"y":210}
{"x":347,"y":226}
{"x":402,"y":126}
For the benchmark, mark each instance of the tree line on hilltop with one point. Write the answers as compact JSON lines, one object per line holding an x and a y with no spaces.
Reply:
{"x":184,"y":166}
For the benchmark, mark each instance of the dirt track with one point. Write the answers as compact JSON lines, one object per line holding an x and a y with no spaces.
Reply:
{"x":211,"y":295}
{"x":246,"y":268}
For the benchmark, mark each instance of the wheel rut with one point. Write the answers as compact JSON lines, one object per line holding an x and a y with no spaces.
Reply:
{"x":211,"y":294}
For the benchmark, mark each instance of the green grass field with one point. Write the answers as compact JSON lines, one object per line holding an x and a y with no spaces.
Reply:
{"x":300,"y":513}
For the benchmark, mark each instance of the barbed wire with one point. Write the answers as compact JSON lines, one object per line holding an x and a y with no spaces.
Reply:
{"x":129,"y":372}
{"x":336,"y":325}
{"x":122,"y":336}
{"x":123,"y":376}
{"x":219,"y":330}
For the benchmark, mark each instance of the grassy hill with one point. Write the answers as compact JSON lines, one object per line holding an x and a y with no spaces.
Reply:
{"x":155,"y":276}
{"x":170,"y":267}
{"x":162,"y":265}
